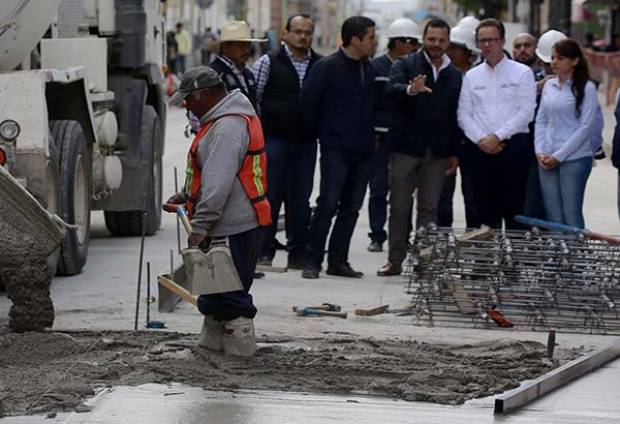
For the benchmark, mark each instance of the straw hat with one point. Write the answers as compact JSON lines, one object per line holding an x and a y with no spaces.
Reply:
{"x":237,"y":31}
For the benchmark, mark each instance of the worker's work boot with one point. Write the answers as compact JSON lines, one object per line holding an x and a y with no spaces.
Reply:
{"x":238,"y":337}
{"x":211,"y":334}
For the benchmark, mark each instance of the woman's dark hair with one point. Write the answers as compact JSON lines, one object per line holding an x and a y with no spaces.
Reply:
{"x":355,"y":26}
{"x":570,"y":49}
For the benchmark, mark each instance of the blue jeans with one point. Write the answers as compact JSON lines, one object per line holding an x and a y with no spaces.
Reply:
{"x":379,"y":189}
{"x":344,"y":177}
{"x":290,"y":176}
{"x":563,"y":188}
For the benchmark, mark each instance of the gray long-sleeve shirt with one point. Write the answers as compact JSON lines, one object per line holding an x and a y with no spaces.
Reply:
{"x":223,"y":208}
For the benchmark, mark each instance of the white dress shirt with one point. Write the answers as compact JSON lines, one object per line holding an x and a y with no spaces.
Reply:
{"x":498,"y":100}
{"x":558,"y":130}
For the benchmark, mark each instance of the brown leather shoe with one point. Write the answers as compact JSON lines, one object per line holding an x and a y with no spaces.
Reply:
{"x":389,"y":270}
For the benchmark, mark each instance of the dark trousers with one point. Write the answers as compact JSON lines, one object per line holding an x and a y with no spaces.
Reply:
{"x":379,"y":189}
{"x":500,"y":182}
{"x":467,"y":153}
{"x":244,"y":249}
{"x":290,"y":173}
{"x":344,"y":177}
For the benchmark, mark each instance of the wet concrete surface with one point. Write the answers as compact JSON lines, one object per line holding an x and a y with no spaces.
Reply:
{"x":592,"y":399}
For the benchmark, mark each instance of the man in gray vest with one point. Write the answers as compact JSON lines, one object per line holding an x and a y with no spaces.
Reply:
{"x":290,"y":149}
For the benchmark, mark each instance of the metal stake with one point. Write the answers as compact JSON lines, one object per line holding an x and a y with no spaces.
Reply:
{"x":135,"y":325}
{"x":176,"y":190}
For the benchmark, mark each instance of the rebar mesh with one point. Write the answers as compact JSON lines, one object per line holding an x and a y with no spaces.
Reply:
{"x":530,"y":280}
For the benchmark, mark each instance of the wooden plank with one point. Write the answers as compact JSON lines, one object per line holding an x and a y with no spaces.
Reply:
{"x":557,"y":378}
{"x":372,"y":311}
{"x":177,"y":289}
{"x":482,"y":233}
{"x":265,"y":268}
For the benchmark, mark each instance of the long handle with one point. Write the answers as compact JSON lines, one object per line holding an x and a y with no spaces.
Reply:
{"x":568,"y":229}
{"x":182,"y":214}
{"x":175,"y":288}
{"x":549,"y":225}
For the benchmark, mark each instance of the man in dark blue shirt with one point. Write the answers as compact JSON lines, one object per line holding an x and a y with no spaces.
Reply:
{"x":337,"y":105}
{"x":423,"y":144}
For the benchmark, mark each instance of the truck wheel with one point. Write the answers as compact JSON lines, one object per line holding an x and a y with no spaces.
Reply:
{"x":75,"y":182}
{"x":52,"y":200}
{"x":129,"y":223}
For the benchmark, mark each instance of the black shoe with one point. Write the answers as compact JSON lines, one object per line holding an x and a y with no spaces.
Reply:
{"x":311,"y":271}
{"x":389,"y":270}
{"x":343,"y":270}
{"x":375,"y":246}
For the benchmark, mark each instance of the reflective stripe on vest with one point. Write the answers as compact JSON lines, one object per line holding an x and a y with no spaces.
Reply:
{"x":252,"y":174}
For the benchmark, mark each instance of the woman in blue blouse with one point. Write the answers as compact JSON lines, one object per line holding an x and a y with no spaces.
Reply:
{"x":564,"y":123}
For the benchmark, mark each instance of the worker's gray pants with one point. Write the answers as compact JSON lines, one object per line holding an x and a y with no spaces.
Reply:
{"x":408,"y":174}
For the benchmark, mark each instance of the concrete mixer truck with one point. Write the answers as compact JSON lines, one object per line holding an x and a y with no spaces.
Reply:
{"x":82,"y":113}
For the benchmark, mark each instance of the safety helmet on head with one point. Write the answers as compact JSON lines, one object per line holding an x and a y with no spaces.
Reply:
{"x":464,"y":37}
{"x":468,"y":22}
{"x":546,"y":43}
{"x":403,"y":28}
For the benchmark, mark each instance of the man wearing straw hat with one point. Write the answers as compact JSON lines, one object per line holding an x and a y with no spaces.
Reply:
{"x":235,"y":43}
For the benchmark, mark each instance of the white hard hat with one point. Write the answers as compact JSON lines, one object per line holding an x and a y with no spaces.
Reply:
{"x":468,"y":22}
{"x":465,"y":37}
{"x":403,"y":28}
{"x":546,"y":42}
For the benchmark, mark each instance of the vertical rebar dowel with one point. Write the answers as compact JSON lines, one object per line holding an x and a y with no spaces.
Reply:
{"x":135,"y":324}
{"x":148,"y":293}
{"x":176,"y":190}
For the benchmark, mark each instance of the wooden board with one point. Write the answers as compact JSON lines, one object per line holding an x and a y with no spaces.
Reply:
{"x":372,"y":311}
{"x":265,"y":268}
{"x":176,"y":289}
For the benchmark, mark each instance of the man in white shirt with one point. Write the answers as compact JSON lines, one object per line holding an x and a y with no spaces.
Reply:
{"x":497,"y":102}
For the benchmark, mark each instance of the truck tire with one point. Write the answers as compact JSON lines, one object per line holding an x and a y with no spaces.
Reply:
{"x":129,"y":223}
{"x":75,"y":192}
{"x":52,"y":175}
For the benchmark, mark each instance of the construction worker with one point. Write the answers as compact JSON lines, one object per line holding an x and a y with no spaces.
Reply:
{"x":235,"y":42}
{"x":463,"y":53}
{"x":424,"y":139}
{"x":337,"y":105}
{"x":225,"y":196}
{"x":403,"y":39}
{"x":497,"y":102}
{"x":564,"y":126}
{"x":184,"y":47}
{"x":291,"y":150}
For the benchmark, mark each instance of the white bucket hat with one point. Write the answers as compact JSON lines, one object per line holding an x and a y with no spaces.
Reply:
{"x":238,"y":31}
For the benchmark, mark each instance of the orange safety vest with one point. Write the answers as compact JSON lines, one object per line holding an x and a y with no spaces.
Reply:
{"x":252,"y":174}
